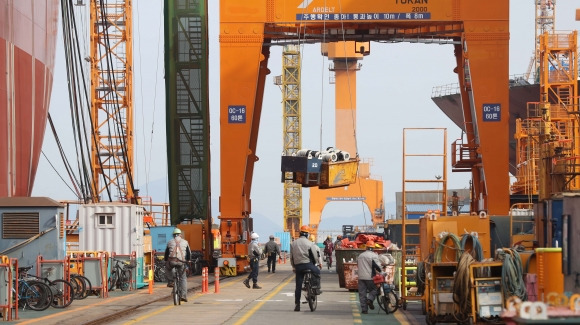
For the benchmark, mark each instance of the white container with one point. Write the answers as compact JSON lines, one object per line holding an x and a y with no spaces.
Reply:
{"x":112,"y":227}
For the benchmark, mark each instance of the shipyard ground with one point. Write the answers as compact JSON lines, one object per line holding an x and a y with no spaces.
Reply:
{"x":233,"y":304}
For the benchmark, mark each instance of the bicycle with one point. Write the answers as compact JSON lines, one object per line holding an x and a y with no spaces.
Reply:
{"x":311,"y":293}
{"x":328,"y":258}
{"x":62,"y":290}
{"x":178,"y":272}
{"x":121,"y":276}
{"x":194,"y":265}
{"x":82,"y":286}
{"x":387,"y":297}
{"x":159,"y":271}
{"x":34,"y":294}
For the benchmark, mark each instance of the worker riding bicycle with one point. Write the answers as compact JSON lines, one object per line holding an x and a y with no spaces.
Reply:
{"x":304,"y":255}
{"x":177,"y":254}
{"x":328,"y":249}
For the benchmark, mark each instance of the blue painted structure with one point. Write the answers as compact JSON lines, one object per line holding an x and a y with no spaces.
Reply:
{"x":160,"y":236}
{"x":285,"y":240}
{"x":40,"y":238}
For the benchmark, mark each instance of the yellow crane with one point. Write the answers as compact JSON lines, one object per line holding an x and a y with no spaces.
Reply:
{"x":291,"y":134}
{"x":112,"y":99}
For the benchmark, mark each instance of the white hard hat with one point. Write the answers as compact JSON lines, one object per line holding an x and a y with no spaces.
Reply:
{"x":254,"y":236}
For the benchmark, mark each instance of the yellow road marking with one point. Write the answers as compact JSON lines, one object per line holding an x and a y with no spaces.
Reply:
{"x":402,"y":318}
{"x":355,"y":312}
{"x":153,"y":313}
{"x":149,"y":315}
{"x":259,"y":305}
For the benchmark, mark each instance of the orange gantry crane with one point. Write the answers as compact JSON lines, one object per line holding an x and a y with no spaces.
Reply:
{"x":248,"y":29}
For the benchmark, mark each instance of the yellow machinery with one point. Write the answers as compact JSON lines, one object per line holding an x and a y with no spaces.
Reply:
{"x":439,"y":292}
{"x":440,"y":244}
{"x":486,"y":289}
{"x":431,"y":228}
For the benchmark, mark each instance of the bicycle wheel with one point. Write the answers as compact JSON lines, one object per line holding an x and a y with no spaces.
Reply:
{"x":126,"y":278}
{"x":36,"y":295}
{"x":62,"y":293}
{"x":312,"y":298}
{"x":87,"y":286}
{"x":159,"y":274}
{"x":391,"y":304}
{"x":112,"y":281}
{"x":176,"y":284}
{"x":382,"y":301}
{"x":78,"y":286}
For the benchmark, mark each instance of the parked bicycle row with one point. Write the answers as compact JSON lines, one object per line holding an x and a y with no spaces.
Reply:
{"x":39,"y":293}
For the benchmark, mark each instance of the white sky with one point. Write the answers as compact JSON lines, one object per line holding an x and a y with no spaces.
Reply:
{"x":393,"y":92}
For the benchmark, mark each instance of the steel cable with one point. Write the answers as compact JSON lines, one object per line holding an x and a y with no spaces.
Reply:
{"x":439,"y":250}
{"x":476,"y":249}
{"x":461,"y":287}
{"x":512,"y":279}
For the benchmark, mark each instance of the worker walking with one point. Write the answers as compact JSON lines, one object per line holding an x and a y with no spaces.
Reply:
{"x":338,"y":242}
{"x":272,"y":251}
{"x":368,"y":264}
{"x":177,"y":253}
{"x":254,"y":252}
{"x":304,"y":255}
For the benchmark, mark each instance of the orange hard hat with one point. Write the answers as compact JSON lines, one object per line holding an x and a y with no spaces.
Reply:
{"x":304,"y":228}
{"x":370,"y":243}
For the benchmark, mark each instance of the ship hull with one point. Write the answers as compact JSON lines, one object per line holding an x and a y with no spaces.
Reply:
{"x":28,"y":32}
{"x":519,"y":96}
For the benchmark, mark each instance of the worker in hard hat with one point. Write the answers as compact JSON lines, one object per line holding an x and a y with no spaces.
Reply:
{"x":338,"y":242}
{"x":328,"y":249}
{"x":368,"y":264}
{"x":254,"y":253}
{"x":177,"y":253}
{"x":305,"y":255}
{"x":313,"y":239}
{"x":272,"y":251}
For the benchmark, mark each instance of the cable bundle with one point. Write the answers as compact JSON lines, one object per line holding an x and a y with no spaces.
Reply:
{"x":476,"y":250}
{"x":441,"y":246}
{"x":461,"y":288}
{"x":512,"y":279}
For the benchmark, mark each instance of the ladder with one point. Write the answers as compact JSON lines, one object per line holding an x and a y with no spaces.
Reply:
{"x":420,"y":189}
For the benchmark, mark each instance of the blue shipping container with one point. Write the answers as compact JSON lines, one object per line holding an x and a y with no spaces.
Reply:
{"x":284,"y":240}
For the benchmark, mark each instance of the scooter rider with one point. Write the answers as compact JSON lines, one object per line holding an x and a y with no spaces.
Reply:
{"x":303,"y":257}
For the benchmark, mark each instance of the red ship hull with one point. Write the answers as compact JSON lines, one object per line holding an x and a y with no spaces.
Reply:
{"x":28,"y":32}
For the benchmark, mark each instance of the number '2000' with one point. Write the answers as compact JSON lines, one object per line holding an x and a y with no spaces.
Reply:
{"x":419,"y":9}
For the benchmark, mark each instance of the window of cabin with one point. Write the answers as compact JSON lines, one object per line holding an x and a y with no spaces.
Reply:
{"x":105,"y":221}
